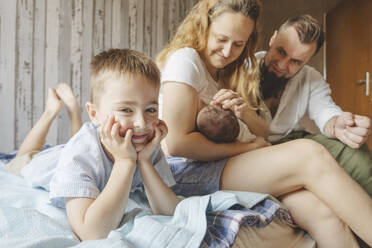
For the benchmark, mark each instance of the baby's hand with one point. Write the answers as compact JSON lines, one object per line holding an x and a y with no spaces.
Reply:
{"x":161,"y":130}
{"x":120,"y":148}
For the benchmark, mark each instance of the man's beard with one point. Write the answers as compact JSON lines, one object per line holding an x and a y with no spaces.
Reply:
{"x":270,"y":84}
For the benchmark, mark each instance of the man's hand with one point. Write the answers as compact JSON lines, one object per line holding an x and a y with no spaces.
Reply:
{"x":161,"y":130}
{"x":120,"y":148}
{"x":352,"y":130}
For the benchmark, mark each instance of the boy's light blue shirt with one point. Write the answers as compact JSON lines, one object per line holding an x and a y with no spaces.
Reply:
{"x":81,"y":168}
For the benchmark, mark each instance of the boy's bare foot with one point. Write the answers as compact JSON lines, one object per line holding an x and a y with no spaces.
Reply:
{"x":54,"y":103}
{"x":65,"y":93}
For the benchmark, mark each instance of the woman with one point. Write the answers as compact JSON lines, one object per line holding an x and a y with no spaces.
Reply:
{"x":206,"y":57}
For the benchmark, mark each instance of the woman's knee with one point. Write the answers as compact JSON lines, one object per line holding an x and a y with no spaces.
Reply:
{"x":316,"y":158}
{"x":309,"y":147}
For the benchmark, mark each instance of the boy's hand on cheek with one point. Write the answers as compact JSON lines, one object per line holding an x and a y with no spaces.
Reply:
{"x":120,"y":148}
{"x":161,"y":130}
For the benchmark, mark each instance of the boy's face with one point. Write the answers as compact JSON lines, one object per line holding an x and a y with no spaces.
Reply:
{"x":133,"y":100}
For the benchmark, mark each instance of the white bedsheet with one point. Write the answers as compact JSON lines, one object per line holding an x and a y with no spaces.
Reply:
{"x":27,"y":220}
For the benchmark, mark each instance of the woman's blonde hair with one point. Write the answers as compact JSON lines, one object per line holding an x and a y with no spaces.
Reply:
{"x":193,"y":33}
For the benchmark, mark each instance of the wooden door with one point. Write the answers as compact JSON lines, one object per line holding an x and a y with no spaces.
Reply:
{"x":349,"y":56}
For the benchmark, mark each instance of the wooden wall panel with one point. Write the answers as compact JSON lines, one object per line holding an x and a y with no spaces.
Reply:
{"x":116,"y":18}
{"x":107,"y":33}
{"x":154,"y":28}
{"x":64,"y":68}
{"x":147,"y":30}
{"x":98,"y":26}
{"x":8,"y":15}
{"x":44,"y":42}
{"x":23,"y":80}
{"x":87,"y":53}
{"x":51,"y":58}
{"x":76,"y":42}
{"x":38,"y":77}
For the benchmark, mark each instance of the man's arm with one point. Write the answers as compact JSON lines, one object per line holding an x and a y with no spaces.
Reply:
{"x":329,"y":128}
{"x":349,"y":128}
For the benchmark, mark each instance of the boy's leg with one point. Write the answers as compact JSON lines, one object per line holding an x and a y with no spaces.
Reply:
{"x":17,"y":164}
{"x":35,"y":139}
{"x":65,"y":93}
{"x":318,"y":220}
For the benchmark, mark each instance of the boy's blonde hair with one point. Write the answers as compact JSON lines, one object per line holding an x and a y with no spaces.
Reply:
{"x":193,"y":32}
{"x":115,"y":63}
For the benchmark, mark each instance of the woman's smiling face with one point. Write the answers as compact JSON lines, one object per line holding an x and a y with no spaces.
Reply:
{"x":227,"y":36}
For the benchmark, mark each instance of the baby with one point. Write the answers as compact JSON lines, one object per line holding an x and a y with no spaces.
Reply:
{"x":222,"y":126}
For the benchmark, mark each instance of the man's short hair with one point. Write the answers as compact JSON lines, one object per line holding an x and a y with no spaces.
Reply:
{"x":115,"y":63}
{"x":308,"y":29}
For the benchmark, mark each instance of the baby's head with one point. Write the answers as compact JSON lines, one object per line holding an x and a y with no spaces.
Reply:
{"x":125,"y":84}
{"x":218,"y":124}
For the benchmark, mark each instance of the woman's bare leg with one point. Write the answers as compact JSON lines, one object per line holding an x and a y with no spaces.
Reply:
{"x":287,"y":167}
{"x":318,"y":220}
{"x":35,"y":139}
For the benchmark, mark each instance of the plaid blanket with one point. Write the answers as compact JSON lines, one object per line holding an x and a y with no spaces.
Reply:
{"x":223,"y":226}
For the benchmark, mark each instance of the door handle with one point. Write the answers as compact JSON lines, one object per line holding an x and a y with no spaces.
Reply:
{"x":366,"y":82}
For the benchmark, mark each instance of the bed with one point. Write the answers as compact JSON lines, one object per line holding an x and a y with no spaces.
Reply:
{"x":222,"y":219}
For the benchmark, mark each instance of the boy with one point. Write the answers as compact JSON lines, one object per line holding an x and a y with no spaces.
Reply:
{"x":93,"y":174}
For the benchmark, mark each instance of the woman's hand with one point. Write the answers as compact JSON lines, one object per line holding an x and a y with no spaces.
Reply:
{"x":120,"y":148}
{"x":229,"y":99}
{"x":260,"y":142}
{"x":161,"y":130}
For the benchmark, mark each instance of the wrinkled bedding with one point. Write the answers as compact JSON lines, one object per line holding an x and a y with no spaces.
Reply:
{"x":27,"y":220}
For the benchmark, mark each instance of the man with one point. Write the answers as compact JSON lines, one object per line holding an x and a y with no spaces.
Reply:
{"x":291,"y":89}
